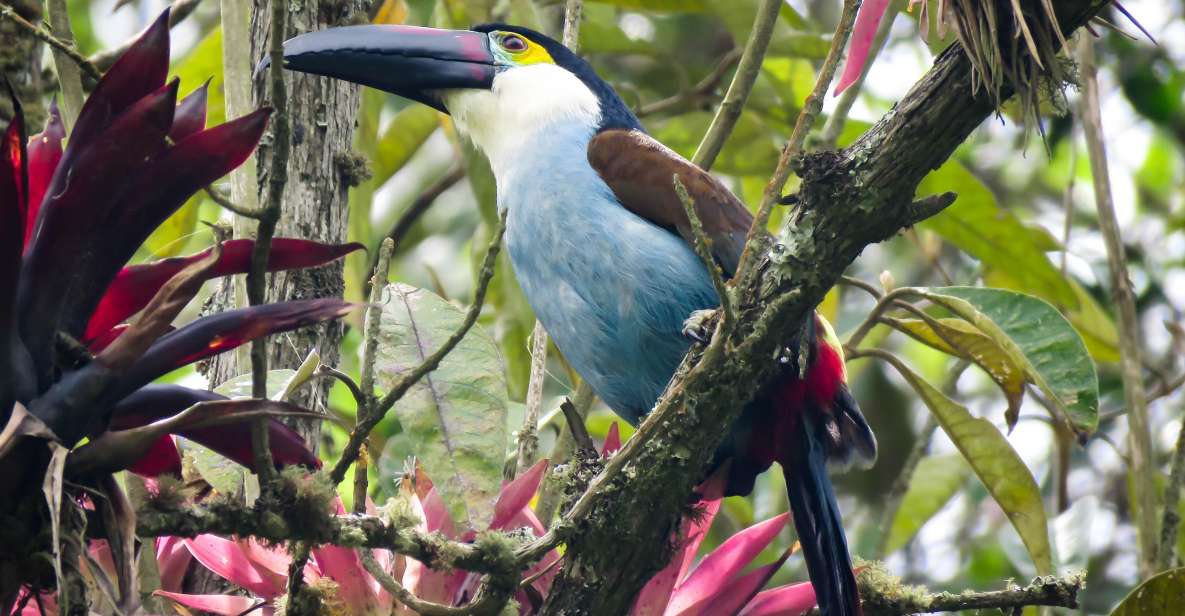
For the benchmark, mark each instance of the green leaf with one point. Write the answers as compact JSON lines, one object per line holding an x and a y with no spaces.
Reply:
{"x":172,"y":236}
{"x":994,"y":461}
{"x":751,"y":149}
{"x":1038,"y":338}
{"x":1161,"y":595}
{"x":1096,"y":327}
{"x":240,"y":386}
{"x":935,"y":481}
{"x":456,"y":415}
{"x":975,"y":346}
{"x":408,"y":130}
{"x":977,"y":225}
{"x":202,"y":63}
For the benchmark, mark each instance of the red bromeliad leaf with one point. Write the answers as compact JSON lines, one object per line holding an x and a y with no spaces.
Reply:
{"x":13,"y":183}
{"x":224,"y":605}
{"x":356,"y":588}
{"x":115,"y":450}
{"x":871,"y":13}
{"x":139,"y":71}
{"x":157,"y":317}
{"x":45,"y":152}
{"x":789,"y":600}
{"x":155,"y":402}
{"x":161,"y":458}
{"x":516,"y":495}
{"x":65,"y":251}
{"x":135,"y":285}
{"x":102,"y":341}
{"x":654,"y":597}
{"x":172,"y":560}
{"x":162,"y":186}
{"x":222,"y":332}
{"x":225,"y":558}
{"x":190,"y":116}
{"x":717,"y":571}
{"x":733,"y":594}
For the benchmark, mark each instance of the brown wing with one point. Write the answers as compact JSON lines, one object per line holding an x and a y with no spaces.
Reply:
{"x":640,"y":170}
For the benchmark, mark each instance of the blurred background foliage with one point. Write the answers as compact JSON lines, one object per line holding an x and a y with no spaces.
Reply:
{"x":1025,"y":220}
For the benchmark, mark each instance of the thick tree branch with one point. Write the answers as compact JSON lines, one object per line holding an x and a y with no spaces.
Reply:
{"x":849,"y":199}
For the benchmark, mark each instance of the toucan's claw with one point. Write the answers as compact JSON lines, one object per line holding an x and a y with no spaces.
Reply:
{"x":698,"y":326}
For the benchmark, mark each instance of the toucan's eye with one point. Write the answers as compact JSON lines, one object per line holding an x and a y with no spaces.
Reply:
{"x":514,"y":43}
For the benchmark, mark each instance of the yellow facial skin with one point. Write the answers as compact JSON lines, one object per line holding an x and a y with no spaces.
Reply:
{"x":520,"y":50}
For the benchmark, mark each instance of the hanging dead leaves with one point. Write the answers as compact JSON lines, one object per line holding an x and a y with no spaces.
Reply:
{"x":1016,"y":47}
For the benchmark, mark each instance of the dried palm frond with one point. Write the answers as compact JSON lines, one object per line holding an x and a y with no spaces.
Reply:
{"x":1014,"y":46}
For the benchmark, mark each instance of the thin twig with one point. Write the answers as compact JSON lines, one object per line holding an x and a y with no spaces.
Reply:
{"x":575,"y":421}
{"x":528,"y":436}
{"x":362,"y":431}
{"x":1049,"y":591}
{"x":365,"y":395}
{"x":177,"y":13}
{"x":553,"y":487}
{"x":269,"y":216}
{"x":300,"y":558}
{"x":224,"y":202}
{"x":704,"y":249}
{"x":573,"y":13}
{"x":742,"y":84}
{"x":1143,"y":470}
{"x":286,"y":523}
{"x":704,"y":88}
{"x":793,"y":147}
{"x":58,"y":44}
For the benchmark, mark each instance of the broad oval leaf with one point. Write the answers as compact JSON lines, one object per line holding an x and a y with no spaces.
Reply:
{"x":959,"y":338}
{"x":1161,"y":595}
{"x":1037,"y":337}
{"x":935,"y":481}
{"x":994,"y":461}
{"x":455,"y":416}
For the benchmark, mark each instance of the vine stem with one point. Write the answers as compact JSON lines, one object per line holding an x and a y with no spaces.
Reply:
{"x":793,"y":148}
{"x":742,"y":84}
{"x":1143,"y":470}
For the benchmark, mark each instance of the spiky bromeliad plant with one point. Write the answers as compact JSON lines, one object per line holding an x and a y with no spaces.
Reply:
{"x":70,"y":368}
{"x":721,"y":584}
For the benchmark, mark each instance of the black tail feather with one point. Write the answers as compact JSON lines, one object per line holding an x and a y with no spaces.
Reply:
{"x":819,"y":524}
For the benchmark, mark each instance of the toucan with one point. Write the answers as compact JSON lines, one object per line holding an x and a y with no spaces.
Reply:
{"x":601,"y":244}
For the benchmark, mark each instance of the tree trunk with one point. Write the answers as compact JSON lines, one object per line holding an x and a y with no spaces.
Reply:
{"x":322,"y":114}
{"x":20,"y":61}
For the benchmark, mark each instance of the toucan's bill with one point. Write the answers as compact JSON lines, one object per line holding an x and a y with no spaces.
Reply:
{"x":409,"y":61}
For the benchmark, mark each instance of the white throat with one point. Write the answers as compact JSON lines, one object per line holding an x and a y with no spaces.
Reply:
{"x":504,"y":121}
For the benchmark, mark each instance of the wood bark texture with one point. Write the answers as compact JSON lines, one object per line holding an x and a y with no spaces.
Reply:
{"x":322,"y":113}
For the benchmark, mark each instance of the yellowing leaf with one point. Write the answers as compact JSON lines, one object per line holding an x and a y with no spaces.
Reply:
{"x":1036,"y":337}
{"x":994,"y":461}
{"x":975,"y":346}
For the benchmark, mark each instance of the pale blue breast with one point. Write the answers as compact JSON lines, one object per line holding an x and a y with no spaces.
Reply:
{"x":611,"y":288}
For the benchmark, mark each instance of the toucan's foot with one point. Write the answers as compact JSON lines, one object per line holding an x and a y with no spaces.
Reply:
{"x":698,"y":326}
